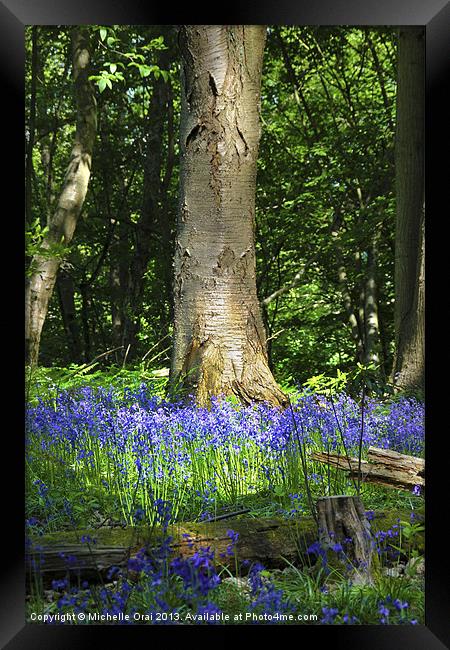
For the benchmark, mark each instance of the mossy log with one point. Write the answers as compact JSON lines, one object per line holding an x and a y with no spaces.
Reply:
{"x":269,"y":541}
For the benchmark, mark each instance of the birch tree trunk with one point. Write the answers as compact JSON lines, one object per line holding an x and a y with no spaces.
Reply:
{"x":219,"y":338}
{"x":62,"y":223}
{"x":408,"y":370}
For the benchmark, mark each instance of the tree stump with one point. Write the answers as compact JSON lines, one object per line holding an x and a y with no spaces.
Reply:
{"x":345,"y":531}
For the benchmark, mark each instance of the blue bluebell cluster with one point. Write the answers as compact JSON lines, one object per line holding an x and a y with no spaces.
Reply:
{"x":393,"y":610}
{"x":154,"y":582}
{"x":135,"y":443}
{"x":266,"y":598}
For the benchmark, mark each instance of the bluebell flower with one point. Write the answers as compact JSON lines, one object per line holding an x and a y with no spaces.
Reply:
{"x":329,"y":614}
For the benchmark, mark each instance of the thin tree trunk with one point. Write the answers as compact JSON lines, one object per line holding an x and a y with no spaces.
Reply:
{"x":219,"y":338}
{"x":32,"y":127}
{"x":299,"y":96}
{"x":408,"y":370}
{"x":118,"y":279}
{"x":352,"y":319}
{"x":85,"y":309}
{"x":167,"y":218}
{"x":372,"y":336}
{"x":62,"y":225}
{"x":383,"y":343}
{"x":380,"y":75}
{"x":351,"y":313}
{"x":66,"y":295}
{"x":151,"y":220}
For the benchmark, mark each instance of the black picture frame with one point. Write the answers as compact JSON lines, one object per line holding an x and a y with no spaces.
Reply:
{"x":434,"y":15}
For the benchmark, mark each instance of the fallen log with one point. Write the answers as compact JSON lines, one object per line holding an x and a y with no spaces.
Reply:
{"x":269,"y":541}
{"x":383,"y":466}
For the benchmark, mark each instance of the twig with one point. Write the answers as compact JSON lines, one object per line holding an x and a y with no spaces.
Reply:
{"x":154,"y":346}
{"x":303,"y":461}
{"x":342,"y":440}
{"x":361,"y":437}
{"x":126,"y":355}
{"x":227,"y":515}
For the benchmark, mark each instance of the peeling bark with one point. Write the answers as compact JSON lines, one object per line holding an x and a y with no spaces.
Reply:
{"x":219,"y":338}
{"x":62,"y":224}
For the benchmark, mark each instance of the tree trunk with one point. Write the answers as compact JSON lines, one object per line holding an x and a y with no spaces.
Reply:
{"x":352,"y":319}
{"x":151,"y":220}
{"x":408,"y":370}
{"x":32,"y":127}
{"x":85,"y":313}
{"x":62,"y":225}
{"x":66,"y":294}
{"x":371,"y":326}
{"x":219,"y":338}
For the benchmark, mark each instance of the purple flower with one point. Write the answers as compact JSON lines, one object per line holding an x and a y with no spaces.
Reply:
{"x":329,"y":614}
{"x":234,"y":538}
{"x":399,"y":605}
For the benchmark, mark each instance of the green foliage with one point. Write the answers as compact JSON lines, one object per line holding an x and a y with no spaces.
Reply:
{"x":326,"y":157}
{"x":48,"y":382}
{"x":34,"y":237}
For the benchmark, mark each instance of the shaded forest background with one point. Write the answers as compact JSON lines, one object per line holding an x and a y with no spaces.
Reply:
{"x":325,"y":202}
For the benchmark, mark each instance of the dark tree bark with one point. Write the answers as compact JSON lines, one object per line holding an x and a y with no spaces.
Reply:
{"x":85,"y":319}
{"x":63,"y":222}
{"x":32,"y":126}
{"x":371,"y":325}
{"x":66,"y":295}
{"x":154,"y":218}
{"x":219,"y":337}
{"x":408,"y":370}
{"x":350,"y":312}
{"x":342,"y":520}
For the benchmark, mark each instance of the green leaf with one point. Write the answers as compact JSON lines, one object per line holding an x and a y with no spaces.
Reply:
{"x":109,"y":83}
{"x":102,"y":84}
{"x":103,"y":33}
{"x":112,"y":67}
{"x":144,"y":70}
